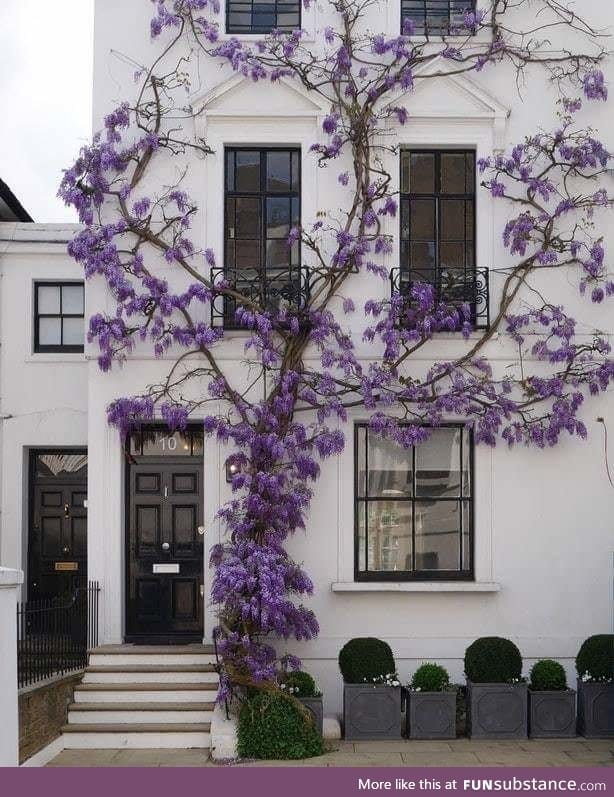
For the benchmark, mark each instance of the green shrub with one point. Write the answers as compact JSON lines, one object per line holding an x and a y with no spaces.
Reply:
{"x":493,"y":660}
{"x":430,"y":678}
{"x":299,"y":684}
{"x":548,"y":675}
{"x":596,"y":658}
{"x":364,"y":659}
{"x":273,"y":727}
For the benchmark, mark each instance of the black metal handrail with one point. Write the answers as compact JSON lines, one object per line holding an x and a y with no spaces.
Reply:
{"x":269,"y":289}
{"x":453,"y":287}
{"x":54,"y":635}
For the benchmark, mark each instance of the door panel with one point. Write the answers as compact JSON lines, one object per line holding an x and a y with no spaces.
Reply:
{"x":165,"y":500}
{"x":57,"y":539}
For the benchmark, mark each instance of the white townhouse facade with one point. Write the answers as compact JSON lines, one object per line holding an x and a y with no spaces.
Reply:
{"x":435,"y":547}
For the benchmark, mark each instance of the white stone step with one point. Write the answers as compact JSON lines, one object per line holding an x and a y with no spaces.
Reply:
{"x":142,"y":673}
{"x":142,"y":737}
{"x":139,"y":713}
{"x":113,"y":655}
{"x":145,"y":693}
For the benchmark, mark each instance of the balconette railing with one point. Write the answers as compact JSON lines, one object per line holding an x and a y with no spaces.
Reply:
{"x":454,"y":287}
{"x":269,"y":289}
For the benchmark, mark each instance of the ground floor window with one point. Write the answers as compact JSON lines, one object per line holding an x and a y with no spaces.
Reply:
{"x":414,"y":507}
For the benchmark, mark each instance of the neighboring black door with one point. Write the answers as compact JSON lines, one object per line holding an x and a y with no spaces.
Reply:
{"x":57,"y":539}
{"x":165,"y":548}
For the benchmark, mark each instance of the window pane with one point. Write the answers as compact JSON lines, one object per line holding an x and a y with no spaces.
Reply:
{"x":405,"y":161}
{"x":247,"y":176}
{"x":247,"y":254}
{"x":278,"y":171}
{"x":247,"y":217}
{"x":74,"y":331}
{"x":405,"y":218}
{"x":277,"y":253}
{"x":50,"y":331}
{"x":437,"y":535}
{"x":278,"y":217}
{"x":422,"y":219}
{"x":466,"y":510}
{"x":296,"y":171}
{"x":452,"y":255}
{"x":230,"y":170}
{"x":438,"y":464}
{"x":390,"y":468}
{"x":48,"y":300}
{"x":452,"y":219}
{"x":470,"y":172}
{"x":362,"y":536}
{"x":73,"y":297}
{"x":452,"y":173}
{"x":422,"y":254}
{"x":466,"y":462}
{"x":389,"y":535}
{"x":361,"y":460}
{"x":160,"y":443}
{"x":422,"y":173}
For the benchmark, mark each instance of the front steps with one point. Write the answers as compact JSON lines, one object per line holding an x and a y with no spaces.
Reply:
{"x":144,"y":697}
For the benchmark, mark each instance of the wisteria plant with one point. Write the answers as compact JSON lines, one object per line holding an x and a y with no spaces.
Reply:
{"x":290,"y":415}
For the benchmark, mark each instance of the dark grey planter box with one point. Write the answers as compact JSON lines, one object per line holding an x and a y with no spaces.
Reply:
{"x":552,"y":714}
{"x":431,"y":715}
{"x":497,"y":711}
{"x":371,"y":712}
{"x":596,"y":710}
{"x":314,"y":704}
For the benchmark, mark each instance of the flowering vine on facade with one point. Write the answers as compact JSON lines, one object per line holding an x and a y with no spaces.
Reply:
{"x":282,"y":424}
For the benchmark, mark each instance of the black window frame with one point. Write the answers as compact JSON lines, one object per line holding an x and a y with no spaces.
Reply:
{"x":41,"y":348}
{"x":421,"y":24}
{"x":406,"y":268}
{"x":247,"y":6}
{"x":467,"y":575}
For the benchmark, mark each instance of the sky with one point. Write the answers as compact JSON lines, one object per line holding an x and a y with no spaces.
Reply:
{"x":45,"y":98}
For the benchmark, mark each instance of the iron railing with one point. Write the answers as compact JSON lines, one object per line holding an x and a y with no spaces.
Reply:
{"x":435,"y":17}
{"x":454,"y":287}
{"x":54,"y":635}
{"x":269,"y":289}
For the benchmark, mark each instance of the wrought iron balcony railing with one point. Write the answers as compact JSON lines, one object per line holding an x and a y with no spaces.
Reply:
{"x":454,"y":286}
{"x":269,"y":289}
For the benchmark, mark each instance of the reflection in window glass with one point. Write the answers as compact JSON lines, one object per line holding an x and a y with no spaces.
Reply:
{"x":413,"y":506}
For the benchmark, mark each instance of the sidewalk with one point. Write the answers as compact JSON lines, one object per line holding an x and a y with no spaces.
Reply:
{"x":459,"y":752}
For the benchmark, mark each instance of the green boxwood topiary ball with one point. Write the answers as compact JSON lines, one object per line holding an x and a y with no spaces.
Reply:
{"x":299,"y":684}
{"x":548,"y":675}
{"x":273,"y":727}
{"x":493,"y":660}
{"x":596,"y":657}
{"x":365,"y":658}
{"x":430,"y":678}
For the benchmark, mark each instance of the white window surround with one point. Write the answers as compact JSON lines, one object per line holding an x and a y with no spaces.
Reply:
{"x":482,"y":490}
{"x":50,"y":357}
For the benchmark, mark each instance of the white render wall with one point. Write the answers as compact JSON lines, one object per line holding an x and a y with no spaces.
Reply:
{"x":43,"y":397}
{"x":543,"y":531}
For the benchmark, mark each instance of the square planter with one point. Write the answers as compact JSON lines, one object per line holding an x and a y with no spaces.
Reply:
{"x":431,"y":715}
{"x":552,"y":715}
{"x":596,"y":710}
{"x":314,"y":704}
{"x":371,"y":712}
{"x":497,"y":711}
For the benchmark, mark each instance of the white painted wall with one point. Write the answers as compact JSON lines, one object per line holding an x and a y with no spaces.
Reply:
{"x":544,"y":540}
{"x":10,"y":581}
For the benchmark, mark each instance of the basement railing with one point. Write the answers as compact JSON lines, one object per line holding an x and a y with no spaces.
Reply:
{"x":54,"y":635}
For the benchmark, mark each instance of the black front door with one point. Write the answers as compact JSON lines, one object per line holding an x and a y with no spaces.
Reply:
{"x":165,"y":546}
{"x":57,"y":539}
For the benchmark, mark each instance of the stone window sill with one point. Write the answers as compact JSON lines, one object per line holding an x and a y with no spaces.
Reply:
{"x":415,"y":586}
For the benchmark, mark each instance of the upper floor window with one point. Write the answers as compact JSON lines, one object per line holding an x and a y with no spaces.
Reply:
{"x":262,"y":205}
{"x":435,"y":17}
{"x":59,"y":316}
{"x":413,"y":507}
{"x":262,"y":16}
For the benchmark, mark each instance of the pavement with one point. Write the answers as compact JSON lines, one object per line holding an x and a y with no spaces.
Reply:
{"x":577,"y":752}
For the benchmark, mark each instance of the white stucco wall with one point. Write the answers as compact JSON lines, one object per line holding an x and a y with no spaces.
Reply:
{"x":543,"y":532}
